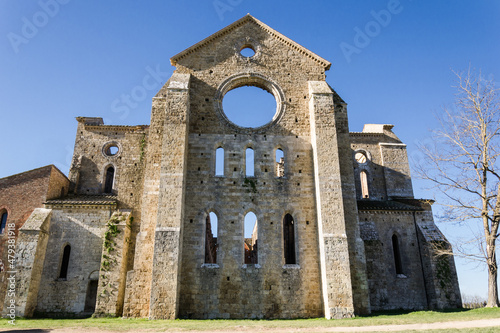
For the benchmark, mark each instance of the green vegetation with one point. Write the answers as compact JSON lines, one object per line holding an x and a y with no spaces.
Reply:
{"x":382,"y":318}
{"x":143,"y":146}
{"x":108,"y":258}
{"x":252,"y":183}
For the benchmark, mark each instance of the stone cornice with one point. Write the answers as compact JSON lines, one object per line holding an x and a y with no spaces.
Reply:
{"x":121,"y":128}
{"x":80,"y":205}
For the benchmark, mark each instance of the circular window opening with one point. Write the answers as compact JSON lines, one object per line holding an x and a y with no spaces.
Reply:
{"x":360,"y":157}
{"x":111,"y":150}
{"x":247,"y":51}
{"x":249,"y":106}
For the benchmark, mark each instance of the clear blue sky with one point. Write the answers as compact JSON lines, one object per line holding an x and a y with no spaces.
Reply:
{"x":82,"y":57}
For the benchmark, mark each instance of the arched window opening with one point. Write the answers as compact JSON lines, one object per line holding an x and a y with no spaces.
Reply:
{"x":289,"y":240}
{"x":251,"y":239}
{"x":211,"y":245}
{"x":4,"y":222}
{"x":280,"y":163}
{"x":219,"y":162}
{"x":109,"y":179}
{"x":63,"y":274}
{"x":364,"y":185}
{"x":397,"y":255}
{"x":249,"y":162}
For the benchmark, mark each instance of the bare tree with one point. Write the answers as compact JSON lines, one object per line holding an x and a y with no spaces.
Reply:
{"x":464,"y":167}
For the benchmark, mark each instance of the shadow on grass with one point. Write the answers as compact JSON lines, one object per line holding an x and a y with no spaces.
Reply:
{"x":404,"y":312}
{"x":35,"y":330}
{"x":60,"y":315}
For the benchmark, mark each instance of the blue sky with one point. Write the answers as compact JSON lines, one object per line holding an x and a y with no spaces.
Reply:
{"x":108,"y":59}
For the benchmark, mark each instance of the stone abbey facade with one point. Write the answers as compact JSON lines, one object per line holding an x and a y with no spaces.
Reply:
{"x":338,"y":230}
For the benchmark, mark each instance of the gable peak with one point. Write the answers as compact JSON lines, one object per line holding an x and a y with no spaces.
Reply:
{"x":244,"y":20}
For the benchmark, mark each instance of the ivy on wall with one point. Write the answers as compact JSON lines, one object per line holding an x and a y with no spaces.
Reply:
{"x":109,"y":255}
{"x":252,"y":184}
{"x":142,"y":146}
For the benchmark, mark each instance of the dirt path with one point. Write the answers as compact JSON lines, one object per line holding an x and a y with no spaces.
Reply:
{"x":380,"y":328}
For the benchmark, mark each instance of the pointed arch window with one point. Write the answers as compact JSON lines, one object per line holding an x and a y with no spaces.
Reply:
{"x":219,"y":161}
{"x":109,"y":179}
{"x":251,"y":238}
{"x":3,"y":223}
{"x":397,"y":255}
{"x":289,"y":240}
{"x":63,"y":273}
{"x":211,"y":246}
{"x":280,"y":163}
{"x":249,"y":163}
{"x":364,"y":184}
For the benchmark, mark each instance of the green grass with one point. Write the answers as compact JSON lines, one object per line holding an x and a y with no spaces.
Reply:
{"x":382,"y":318}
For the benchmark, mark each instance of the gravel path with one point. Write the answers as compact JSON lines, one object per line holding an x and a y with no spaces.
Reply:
{"x":380,"y":328}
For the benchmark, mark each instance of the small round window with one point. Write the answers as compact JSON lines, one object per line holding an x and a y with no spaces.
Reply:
{"x":360,"y":157}
{"x":247,"y":51}
{"x":111,"y":149}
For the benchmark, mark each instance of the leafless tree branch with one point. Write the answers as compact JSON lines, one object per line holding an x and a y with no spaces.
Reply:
{"x":463,"y":167}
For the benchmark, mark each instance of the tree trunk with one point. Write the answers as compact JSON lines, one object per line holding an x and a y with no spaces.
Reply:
{"x":492,"y":276}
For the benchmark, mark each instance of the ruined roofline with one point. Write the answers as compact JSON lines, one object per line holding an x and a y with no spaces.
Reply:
{"x":376,"y":130}
{"x":83,"y":200}
{"x":240,"y":22}
{"x":395,"y":204}
{"x":118,"y":127}
{"x":367,"y":133}
{"x":98,"y":123}
{"x":22,"y":175}
{"x":367,"y":205}
{"x":59,"y":171}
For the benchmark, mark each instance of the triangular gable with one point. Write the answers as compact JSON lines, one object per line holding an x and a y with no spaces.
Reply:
{"x":246,"y":19}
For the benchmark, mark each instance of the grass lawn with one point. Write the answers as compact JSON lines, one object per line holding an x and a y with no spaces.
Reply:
{"x":382,"y":318}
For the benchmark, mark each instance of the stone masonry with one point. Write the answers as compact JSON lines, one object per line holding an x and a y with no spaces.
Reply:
{"x":130,"y":238}
{"x":20,"y":195}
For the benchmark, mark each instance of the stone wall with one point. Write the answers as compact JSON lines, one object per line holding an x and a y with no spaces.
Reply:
{"x":82,"y":227}
{"x":335,"y":202}
{"x":29,"y":258}
{"x":439,"y":270}
{"x":167,"y":256}
{"x":91,"y":159}
{"x":386,"y":286}
{"x":427,"y":281}
{"x":227,"y":289}
{"x":138,"y":290}
{"x":20,"y":194}
{"x":113,"y":270}
{"x":386,"y":165}
{"x":93,"y":138}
